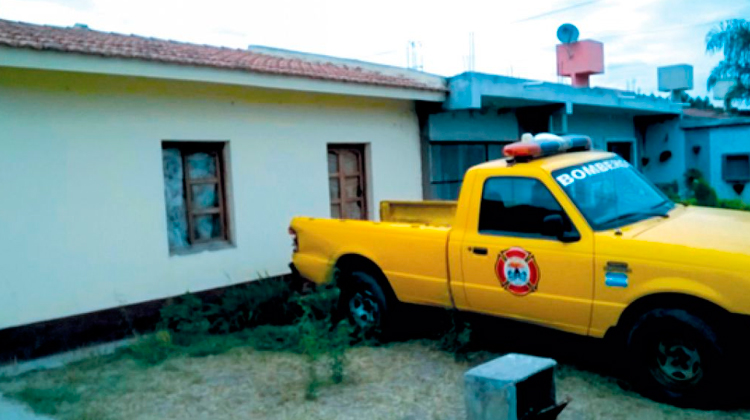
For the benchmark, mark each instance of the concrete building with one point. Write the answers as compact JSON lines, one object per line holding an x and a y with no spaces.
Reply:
{"x":720,"y":149}
{"x":718,"y":145}
{"x":484,"y":112}
{"x":137,"y":169}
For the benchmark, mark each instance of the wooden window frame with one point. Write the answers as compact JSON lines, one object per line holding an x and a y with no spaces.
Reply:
{"x":218,"y":149}
{"x":361,"y":174}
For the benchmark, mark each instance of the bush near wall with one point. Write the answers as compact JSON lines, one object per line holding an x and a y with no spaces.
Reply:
{"x":671,"y":190}
{"x":702,"y":194}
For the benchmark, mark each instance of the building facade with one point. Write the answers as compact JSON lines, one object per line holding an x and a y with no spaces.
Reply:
{"x":485,"y":112}
{"x":720,"y":150}
{"x":129,"y":179}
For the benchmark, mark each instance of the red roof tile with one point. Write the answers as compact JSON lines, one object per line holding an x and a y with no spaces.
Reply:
{"x":90,"y":42}
{"x":706,"y":113}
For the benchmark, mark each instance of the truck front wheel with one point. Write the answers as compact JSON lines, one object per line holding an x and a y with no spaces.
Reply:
{"x":363,"y":302}
{"x":675,"y":358}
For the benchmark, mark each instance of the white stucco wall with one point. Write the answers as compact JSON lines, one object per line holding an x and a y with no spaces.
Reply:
{"x":81,"y":181}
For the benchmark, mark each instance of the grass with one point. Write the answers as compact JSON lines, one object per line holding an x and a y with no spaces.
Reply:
{"x":204,"y":364}
{"x":413,"y":380}
{"x":47,"y":400}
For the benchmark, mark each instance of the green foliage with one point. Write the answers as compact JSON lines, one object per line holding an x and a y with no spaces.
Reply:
{"x":457,"y":338}
{"x":188,"y":314}
{"x":697,"y":102}
{"x":273,"y":337}
{"x":266,"y":301}
{"x":341,"y":341}
{"x":321,"y":336}
{"x":671,"y":190}
{"x":257,"y":303}
{"x":732,"y":38}
{"x":702,"y":194}
{"x":151,"y":350}
{"x":47,"y":400}
{"x":735,"y":204}
{"x":265,"y":315}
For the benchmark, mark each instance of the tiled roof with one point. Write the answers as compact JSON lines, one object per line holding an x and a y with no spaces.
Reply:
{"x":90,"y":42}
{"x":706,"y":113}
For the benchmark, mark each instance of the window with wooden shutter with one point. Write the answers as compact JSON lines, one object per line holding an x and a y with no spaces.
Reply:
{"x":346,"y":181}
{"x":194,"y":189}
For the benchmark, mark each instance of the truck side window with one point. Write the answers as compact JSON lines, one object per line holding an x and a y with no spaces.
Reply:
{"x":517,"y":207}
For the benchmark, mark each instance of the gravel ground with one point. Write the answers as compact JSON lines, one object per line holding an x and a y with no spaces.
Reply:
{"x":410,"y":380}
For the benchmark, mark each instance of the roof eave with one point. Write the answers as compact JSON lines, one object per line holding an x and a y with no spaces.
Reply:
{"x":700,"y":123}
{"x":81,"y":63}
{"x":469,"y":91}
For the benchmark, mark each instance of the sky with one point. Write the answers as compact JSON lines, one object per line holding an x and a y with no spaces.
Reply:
{"x":511,"y":37}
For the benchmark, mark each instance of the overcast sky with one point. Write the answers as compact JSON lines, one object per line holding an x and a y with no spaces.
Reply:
{"x":512,"y":37}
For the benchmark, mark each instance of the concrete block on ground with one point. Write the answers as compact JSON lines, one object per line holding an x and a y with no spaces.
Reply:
{"x":509,"y":387}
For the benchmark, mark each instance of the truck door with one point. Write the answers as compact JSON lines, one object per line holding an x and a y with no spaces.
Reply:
{"x":524,"y":258}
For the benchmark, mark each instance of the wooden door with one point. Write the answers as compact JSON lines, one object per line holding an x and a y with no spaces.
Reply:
{"x":346,"y":181}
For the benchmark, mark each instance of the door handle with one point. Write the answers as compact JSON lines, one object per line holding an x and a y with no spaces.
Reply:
{"x":617,"y":267}
{"x":478,"y":250}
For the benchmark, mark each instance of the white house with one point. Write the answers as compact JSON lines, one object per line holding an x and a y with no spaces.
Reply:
{"x":136,"y":169}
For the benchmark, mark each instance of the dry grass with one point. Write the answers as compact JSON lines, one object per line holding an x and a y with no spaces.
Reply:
{"x":400,"y":381}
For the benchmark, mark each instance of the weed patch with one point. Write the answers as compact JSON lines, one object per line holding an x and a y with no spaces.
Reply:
{"x":702,"y":194}
{"x":457,"y":338}
{"x":264,"y":317}
{"x":47,"y":400}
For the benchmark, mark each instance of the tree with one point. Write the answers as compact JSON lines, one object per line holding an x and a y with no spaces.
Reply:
{"x":731,"y":37}
{"x":697,"y":102}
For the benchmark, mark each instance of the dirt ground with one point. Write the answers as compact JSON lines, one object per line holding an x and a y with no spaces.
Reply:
{"x":411,"y":380}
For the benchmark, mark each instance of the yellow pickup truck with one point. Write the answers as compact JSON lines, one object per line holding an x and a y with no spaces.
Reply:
{"x":562,"y":236}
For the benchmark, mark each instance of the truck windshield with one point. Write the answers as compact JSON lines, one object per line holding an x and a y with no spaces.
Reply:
{"x":611,"y":193}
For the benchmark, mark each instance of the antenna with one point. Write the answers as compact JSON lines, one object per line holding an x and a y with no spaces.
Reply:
{"x":567,"y":33}
{"x":469,"y":59}
{"x":414,"y":56}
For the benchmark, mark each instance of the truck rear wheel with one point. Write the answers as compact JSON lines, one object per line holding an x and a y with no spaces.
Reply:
{"x":675,"y":358}
{"x":363,"y":302}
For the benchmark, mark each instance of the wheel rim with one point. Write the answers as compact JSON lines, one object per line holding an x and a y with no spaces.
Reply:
{"x":678,"y":363}
{"x":364,"y":311}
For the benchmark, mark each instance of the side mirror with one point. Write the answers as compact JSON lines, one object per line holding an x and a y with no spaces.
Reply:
{"x":554,"y":225}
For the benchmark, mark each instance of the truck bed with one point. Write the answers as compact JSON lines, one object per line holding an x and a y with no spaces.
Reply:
{"x":413,"y":256}
{"x":431,"y":213}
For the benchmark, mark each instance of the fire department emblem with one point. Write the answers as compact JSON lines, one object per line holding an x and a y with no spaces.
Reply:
{"x":517,"y":271}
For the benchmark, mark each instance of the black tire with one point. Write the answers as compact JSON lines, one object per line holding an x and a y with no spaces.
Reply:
{"x":676,"y":358}
{"x":363,"y":301}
